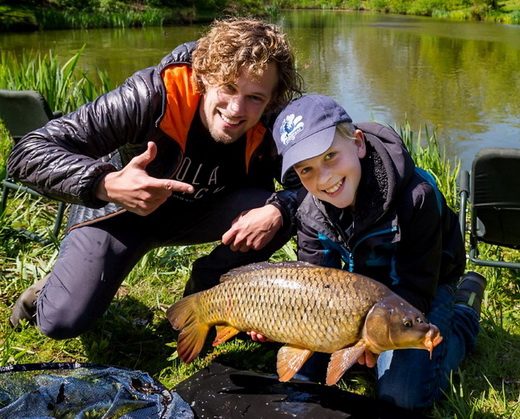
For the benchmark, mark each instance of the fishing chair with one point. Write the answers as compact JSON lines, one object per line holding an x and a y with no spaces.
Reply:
{"x":22,"y":111}
{"x":491,"y":195}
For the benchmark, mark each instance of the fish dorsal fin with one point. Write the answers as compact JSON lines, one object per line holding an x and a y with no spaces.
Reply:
{"x":289,"y":361}
{"x":264,"y":265}
{"x":342,"y":360}
{"x":224,"y":333}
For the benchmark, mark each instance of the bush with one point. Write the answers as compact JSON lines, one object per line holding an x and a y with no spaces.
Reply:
{"x":17,"y":19}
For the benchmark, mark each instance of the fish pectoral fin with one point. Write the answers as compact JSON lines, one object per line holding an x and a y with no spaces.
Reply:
{"x":290,"y":359}
{"x":224,"y":333}
{"x":342,"y":360}
{"x":191,"y":340}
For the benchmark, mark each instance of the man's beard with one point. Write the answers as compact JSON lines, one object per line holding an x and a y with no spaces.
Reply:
{"x":222,"y":138}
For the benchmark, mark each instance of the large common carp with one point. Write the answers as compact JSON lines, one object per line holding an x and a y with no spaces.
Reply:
{"x":307,"y":307}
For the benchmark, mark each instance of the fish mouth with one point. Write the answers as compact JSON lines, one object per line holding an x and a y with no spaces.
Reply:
{"x":432,"y":339}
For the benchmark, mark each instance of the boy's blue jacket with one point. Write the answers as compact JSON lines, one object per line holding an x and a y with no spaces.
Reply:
{"x":402,"y":233}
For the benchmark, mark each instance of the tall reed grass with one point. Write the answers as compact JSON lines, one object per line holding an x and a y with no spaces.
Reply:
{"x":65,"y":85}
{"x":54,"y":19}
{"x":428,"y":154}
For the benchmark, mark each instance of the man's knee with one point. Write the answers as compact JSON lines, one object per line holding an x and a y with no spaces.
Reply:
{"x":61,"y":322}
{"x":204,"y":275}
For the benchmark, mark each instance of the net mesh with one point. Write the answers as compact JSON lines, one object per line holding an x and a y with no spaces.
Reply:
{"x":68,"y":390}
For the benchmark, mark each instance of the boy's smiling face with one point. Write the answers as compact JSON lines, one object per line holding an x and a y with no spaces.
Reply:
{"x":334,"y":175}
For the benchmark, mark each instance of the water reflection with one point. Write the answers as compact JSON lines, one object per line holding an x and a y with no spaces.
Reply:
{"x":461,"y":78}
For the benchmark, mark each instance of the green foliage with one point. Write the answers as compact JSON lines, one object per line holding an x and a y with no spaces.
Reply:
{"x":427,"y":154}
{"x":66,"y":88}
{"x":12,"y":19}
{"x":54,"y":19}
{"x":5,"y":147}
{"x":34,"y":14}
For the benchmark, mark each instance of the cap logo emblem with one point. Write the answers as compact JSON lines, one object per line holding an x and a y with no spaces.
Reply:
{"x":290,"y":127}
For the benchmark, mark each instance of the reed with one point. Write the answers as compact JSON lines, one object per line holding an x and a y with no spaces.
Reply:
{"x":65,"y":86}
{"x":56,"y":19}
{"x":428,"y":154}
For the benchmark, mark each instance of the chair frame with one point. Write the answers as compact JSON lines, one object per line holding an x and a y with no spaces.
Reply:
{"x":9,"y":184}
{"x":466,"y":191}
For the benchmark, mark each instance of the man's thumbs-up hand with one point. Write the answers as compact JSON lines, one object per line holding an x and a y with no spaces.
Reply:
{"x":136,"y":191}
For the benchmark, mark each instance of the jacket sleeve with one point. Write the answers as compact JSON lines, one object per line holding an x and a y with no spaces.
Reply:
{"x":287,"y":201}
{"x":314,"y":244}
{"x":418,"y":256}
{"x":289,"y":197}
{"x":64,"y":159}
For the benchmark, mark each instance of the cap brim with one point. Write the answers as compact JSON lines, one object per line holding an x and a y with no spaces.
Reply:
{"x":310,"y":147}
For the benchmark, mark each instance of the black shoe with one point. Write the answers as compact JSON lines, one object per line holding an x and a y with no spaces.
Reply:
{"x":470,"y":290}
{"x":25,"y":306}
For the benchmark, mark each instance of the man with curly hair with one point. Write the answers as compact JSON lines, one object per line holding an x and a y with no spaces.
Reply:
{"x":179,"y":154}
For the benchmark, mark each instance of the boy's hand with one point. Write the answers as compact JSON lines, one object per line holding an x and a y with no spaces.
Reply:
{"x":253,"y":229}
{"x":368,"y":358}
{"x":257,"y":337}
{"x":136,"y":191}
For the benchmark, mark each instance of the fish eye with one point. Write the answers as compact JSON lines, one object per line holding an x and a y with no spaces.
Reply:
{"x":407,"y":323}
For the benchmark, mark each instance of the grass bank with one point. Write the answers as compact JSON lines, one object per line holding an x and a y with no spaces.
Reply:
{"x":507,"y":12}
{"x":134,"y":332}
{"x":33,"y":15}
{"x":121,"y":14}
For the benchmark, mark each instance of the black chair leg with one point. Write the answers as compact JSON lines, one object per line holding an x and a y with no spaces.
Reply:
{"x":59,"y":219}
{"x":5,"y":193}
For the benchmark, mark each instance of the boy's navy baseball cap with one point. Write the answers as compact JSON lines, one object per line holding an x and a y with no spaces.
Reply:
{"x":306,"y":128}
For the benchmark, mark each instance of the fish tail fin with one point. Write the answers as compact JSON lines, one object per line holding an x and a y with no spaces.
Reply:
{"x":182,"y":316}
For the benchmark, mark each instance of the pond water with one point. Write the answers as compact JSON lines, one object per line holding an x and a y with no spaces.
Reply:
{"x":460,"y":78}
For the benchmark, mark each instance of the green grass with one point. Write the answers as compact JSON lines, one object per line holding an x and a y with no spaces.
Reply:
{"x":134,"y":332}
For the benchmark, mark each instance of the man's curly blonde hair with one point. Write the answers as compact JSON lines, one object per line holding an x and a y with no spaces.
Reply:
{"x":233,"y":45}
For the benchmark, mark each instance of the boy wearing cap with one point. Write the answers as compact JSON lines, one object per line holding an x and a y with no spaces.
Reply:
{"x":370,"y":210}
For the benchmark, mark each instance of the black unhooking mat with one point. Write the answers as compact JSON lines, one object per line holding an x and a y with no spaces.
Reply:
{"x":220,"y":391}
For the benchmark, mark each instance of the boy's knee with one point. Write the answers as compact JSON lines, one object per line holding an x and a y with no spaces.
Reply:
{"x":409,"y":398}
{"x":414,"y":388}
